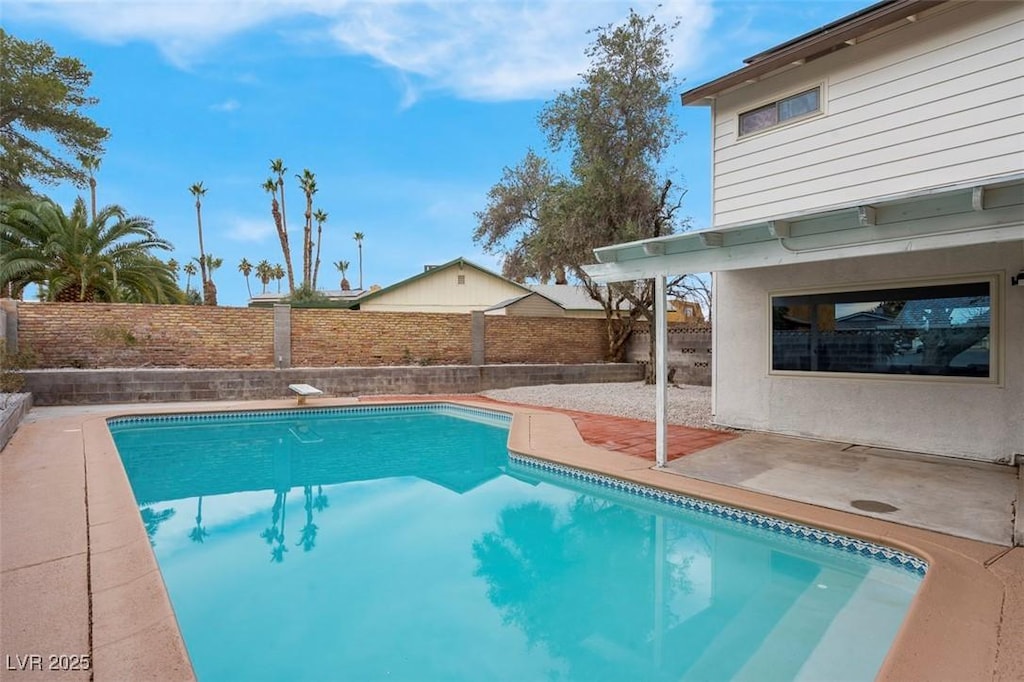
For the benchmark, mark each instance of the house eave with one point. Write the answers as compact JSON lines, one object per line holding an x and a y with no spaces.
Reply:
{"x":823,"y":40}
{"x":979,"y":212}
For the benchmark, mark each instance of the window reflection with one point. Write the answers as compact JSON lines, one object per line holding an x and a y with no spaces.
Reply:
{"x":942,"y":330}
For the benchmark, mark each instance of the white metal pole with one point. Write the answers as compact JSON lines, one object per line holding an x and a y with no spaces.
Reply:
{"x":661,"y":372}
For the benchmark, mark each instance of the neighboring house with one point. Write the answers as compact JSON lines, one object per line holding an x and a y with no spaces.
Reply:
{"x":457,"y":286}
{"x":875,"y":164}
{"x":685,"y":311}
{"x":573,"y":298}
{"x":527,"y":305}
{"x":349,"y":296}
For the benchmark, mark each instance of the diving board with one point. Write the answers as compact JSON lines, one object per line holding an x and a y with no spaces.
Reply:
{"x":304,"y":391}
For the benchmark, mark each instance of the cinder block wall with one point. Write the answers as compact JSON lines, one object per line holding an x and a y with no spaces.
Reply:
{"x":99,"y":386}
{"x":689,"y":351}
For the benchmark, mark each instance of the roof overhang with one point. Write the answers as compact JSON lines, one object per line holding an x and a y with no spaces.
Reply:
{"x":960,"y":215}
{"x":819,"y":42}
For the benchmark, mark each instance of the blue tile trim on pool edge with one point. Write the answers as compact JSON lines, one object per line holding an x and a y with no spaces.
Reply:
{"x":889,"y":555}
{"x":497,"y":418}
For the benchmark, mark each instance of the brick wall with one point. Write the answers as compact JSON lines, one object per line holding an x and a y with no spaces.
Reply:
{"x":561,"y":340}
{"x":328,"y":338}
{"x":129,"y":335}
{"x":134,"y":335}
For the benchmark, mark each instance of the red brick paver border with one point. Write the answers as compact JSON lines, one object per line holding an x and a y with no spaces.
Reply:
{"x":633,"y":437}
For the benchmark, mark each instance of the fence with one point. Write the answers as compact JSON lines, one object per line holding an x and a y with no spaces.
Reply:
{"x":106,"y":335}
{"x":689,"y":352}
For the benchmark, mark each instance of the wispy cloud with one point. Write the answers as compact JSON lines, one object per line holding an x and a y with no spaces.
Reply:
{"x":499,"y":51}
{"x":226,"y":106}
{"x":248,"y":229}
{"x":182,"y":30}
{"x":475,"y":50}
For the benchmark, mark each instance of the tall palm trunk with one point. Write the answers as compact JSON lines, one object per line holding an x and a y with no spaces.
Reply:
{"x":284,"y":226}
{"x":92,"y":193}
{"x":202,"y":251}
{"x":286,"y":249}
{"x":307,"y":244}
{"x":360,"y":265}
{"x":316,"y":265}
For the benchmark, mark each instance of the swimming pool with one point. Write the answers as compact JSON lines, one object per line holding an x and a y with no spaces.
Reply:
{"x":404,"y":542}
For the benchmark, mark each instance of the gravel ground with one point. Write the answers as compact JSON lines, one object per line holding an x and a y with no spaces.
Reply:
{"x":687,"y":405}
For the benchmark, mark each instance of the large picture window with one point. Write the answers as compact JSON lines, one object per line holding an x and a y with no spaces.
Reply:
{"x":939,"y":330}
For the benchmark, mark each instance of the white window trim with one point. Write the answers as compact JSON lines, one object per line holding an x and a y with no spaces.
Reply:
{"x":997,"y":341}
{"x":788,"y":122}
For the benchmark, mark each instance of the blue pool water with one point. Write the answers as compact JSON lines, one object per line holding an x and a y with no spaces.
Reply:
{"x":405,"y":543}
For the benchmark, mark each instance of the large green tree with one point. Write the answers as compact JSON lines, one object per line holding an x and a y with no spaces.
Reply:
{"x":615,"y":127}
{"x":43,"y":132}
{"x":74,"y":258}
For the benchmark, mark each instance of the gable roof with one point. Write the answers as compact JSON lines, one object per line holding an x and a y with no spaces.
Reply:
{"x":509,"y":301}
{"x":824,"y":40}
{"x":432,"y":270}
{"x":570,"y":296}
{"x":946,"y":313}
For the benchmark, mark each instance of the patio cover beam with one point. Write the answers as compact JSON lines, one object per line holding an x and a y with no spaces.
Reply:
{"x":937,"y":220}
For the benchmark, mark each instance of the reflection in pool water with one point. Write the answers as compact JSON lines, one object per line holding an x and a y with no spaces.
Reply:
{"x":408,"y":546}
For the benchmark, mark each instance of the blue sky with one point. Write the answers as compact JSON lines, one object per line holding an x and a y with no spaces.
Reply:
{"x":407,"y":112}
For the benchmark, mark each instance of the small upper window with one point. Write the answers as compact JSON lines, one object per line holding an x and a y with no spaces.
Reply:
{"x":797,"y":106}
{"x":461,"y":279}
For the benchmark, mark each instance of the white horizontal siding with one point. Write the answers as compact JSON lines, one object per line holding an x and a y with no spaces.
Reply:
{"x":936,"y":102}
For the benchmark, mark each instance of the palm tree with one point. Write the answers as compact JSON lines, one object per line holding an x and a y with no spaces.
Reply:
{"x":174,"y":266}
{"x":210,"y":292}
{"x":278,"y":275}
{"x":152,"y":520}
{"x":271,"y":187}
{"x":359,"y":242}
{"x":320,"y":502}
{"x":342,"y":266}
{"x":189,"y":269}
{"x":277,"y":167}
{"x":245,"y":267}
{"x":264,"y":273}
{"x":321,"y":217}
{"x":198,"y":191}
{"x":307,"y":535}
{"x":199,"y":532}
{"x":307,"y":181}
{"x":91,"y":164}
{"x":75,"y":259}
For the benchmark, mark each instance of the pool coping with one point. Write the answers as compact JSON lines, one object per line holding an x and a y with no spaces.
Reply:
{"x":951,"y":630}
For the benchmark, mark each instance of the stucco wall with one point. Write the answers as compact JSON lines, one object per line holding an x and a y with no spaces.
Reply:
{"x":945,"y":417}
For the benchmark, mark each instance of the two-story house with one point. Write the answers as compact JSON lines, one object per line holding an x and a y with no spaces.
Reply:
{"x":867,"y":241}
